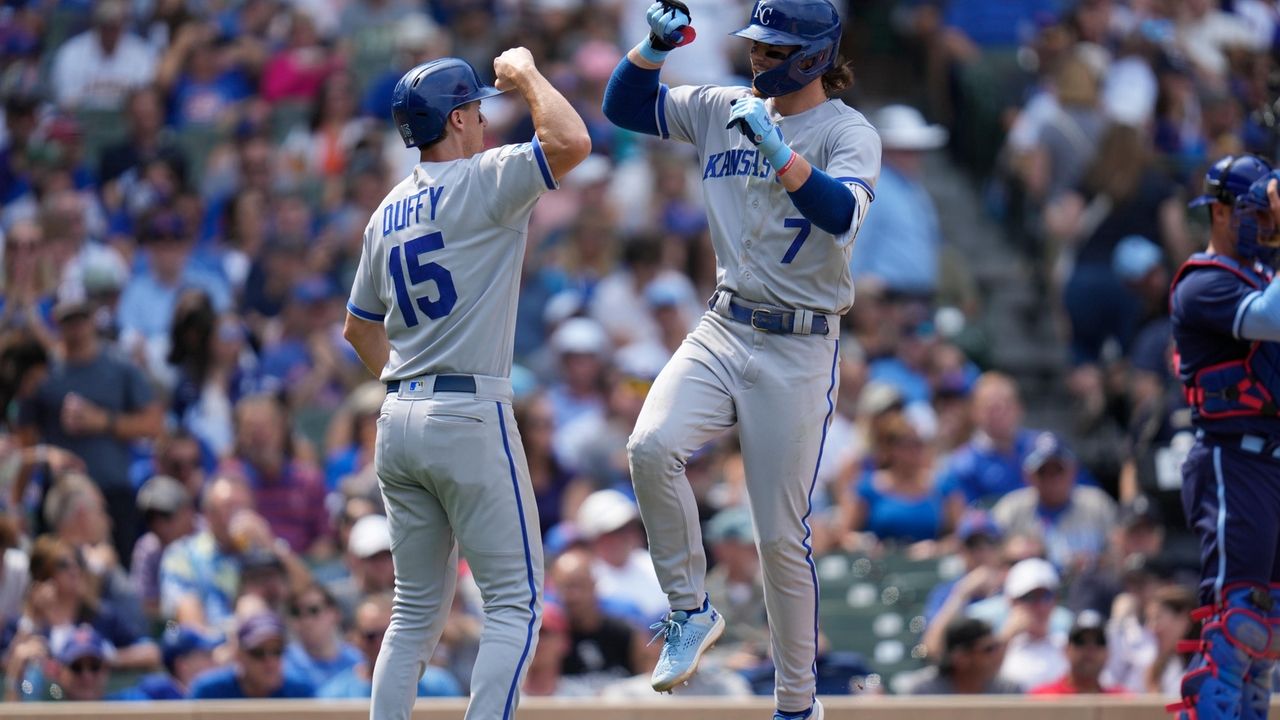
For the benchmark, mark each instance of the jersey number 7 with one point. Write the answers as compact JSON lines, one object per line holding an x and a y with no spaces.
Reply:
{"x":805,"y":228}
{"x":419,"y":273}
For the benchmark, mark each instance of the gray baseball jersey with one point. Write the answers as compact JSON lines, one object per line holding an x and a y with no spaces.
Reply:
{"x":440,"y":269}
{"x":441,"y":262}
{"x":777,"y":389}
{"x":766,"y":251}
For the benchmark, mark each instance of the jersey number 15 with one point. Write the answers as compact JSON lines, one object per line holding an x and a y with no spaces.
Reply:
{"x":419,"y":273}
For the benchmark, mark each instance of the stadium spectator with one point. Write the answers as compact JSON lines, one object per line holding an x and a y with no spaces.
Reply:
{"x":557,"y":491}
{"x":971,"y":657}
{"x":367,"y":559}
{"x":317,"y":652}
{"x":990,"y":465}
{"x":1073,"y":521}
{"x":187,"y":654}
{"x":544,"y":678}
{"x":1087,"y":656}
{"x":1033,"y":649}
{"x":602,"y":647}
{"x":200,"y":574}
{"x":82,"y":669}
{"x":258,"y":671}
{"x":169,"y":515}
{"x":979,"y":539}
{"x":95,"y":69}
{"x":372,"y":618}
{"x":287,"y":488}
{"x":61,"y":598}
{"x":900,"y":243}
{"x":95,"y":405}
{"x":900,"y":501}
{"x":624,"y":576}
{"x":735,"y":576}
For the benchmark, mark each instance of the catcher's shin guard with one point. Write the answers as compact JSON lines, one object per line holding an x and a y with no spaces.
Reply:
{"x":1235,"y":634}
{"x":1256,"y":694}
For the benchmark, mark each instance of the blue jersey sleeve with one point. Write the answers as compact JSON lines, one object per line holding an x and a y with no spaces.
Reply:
{"x":1212,"y":300}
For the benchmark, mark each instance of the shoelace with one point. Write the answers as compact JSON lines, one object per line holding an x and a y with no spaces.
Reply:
{"x":670,"y":627}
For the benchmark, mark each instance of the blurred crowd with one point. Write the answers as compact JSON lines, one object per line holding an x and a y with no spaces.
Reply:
{"x":186,"y":450}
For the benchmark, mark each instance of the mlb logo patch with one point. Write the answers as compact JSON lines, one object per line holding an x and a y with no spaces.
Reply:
{"x":415,"y":385}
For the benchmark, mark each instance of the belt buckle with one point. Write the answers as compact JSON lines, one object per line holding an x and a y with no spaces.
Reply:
{"x":764,"y":320}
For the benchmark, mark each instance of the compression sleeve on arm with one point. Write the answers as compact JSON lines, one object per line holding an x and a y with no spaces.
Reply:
{"x":631,"y":98}
{"x":1259,"y":315}
{"x":825,"y":202}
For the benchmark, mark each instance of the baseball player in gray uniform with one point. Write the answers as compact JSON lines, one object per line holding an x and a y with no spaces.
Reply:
{"x":432,"y":312}
{"x":788,"y":175}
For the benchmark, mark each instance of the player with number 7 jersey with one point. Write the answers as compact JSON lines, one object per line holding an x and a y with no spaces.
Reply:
{"x":788,"y":174}
{"x":432,"y":312}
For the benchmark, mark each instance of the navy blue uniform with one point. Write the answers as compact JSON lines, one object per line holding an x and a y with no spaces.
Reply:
{"x":1231,"y":477}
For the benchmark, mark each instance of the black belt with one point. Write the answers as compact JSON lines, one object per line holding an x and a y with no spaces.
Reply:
{"x":771,"y":320}
{"x":445,"y":383}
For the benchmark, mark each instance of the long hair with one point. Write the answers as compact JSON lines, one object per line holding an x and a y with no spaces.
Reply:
{"x":839,"y":78}
{"x":1118,"y":164}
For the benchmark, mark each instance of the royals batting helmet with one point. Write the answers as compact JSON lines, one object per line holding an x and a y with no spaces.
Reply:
{"x":426,"y":95}
{"x":813,"y":25}
{"x":1229,"y":178}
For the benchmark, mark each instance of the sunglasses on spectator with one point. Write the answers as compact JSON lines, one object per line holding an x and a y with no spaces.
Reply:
{"x":309,"y":610}
{"x":86,"y":667}
{"x":262,"y":653}
{"x":1089,"y":640}
{"x":1037,"y":596}
{"x":372,"y":636}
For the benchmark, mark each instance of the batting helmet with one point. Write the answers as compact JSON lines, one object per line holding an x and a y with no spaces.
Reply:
{"x":426,"y":95}
{"x":813,"y":25}
{"x":1229,"y":178}
{"x":1256,"y":236}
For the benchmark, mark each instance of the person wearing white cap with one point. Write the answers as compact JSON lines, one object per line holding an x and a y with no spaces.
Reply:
{"x":899,"y":242}
{"x":582,"y":350}
{"x":1034,"y":652}
{"x":369,"y":561}
{"x":624,"y":572}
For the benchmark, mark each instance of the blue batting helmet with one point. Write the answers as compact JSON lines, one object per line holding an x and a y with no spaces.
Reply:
{"x":1256,"y":236}
{"x":424,"y":97}
{"x":1229,"y":178}
{"x":813,"y":25}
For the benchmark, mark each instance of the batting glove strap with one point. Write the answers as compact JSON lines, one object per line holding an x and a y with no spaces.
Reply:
{"x":751,"y":117}
{"x":651,"y":53}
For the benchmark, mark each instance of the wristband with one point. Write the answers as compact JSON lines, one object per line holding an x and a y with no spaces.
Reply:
{"x":787,"y":165}
{"x":652,"y":54}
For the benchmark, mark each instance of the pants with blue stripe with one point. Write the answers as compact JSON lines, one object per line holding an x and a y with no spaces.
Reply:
{"x":780,"y":391}
{"x":1232,"y":501}
{"x":453,"y":475}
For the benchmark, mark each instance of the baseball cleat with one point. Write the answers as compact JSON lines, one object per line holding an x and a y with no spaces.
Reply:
{"x":688,"y":636}
{"x":813,"y":713}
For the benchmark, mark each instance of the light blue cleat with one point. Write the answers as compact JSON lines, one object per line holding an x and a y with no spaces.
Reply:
{"x":688,"y":636}
{"x":813,"y":713}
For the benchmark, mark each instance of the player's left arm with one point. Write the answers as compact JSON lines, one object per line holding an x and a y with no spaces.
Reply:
{"x":835,"y":205}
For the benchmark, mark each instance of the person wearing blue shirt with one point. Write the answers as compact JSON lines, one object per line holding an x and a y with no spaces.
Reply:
{"x":187,"y":654}
{"x":373,"y":616}
{"x":318,"y":652}
{"x":258,"y":671}
{"x":899,"y":242}
{"x":146,"y":306}
{"x":989,"y":466}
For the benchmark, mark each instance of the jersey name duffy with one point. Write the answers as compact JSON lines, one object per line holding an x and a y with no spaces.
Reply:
{"x":441,"y":262}
{"x":766,"y":250}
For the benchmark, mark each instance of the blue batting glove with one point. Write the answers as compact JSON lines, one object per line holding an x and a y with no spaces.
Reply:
{"x":752,"y":118}
{"x":663,"y":22}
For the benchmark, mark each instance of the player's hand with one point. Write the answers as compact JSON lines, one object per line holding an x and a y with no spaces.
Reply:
{"x":665,"y":22}
{"x":752,"y":117}
{"x":511,"y":66}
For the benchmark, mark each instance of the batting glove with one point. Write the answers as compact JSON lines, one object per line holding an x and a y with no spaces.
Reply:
{"x":752,"y":118}
{"x":664,"y":23}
